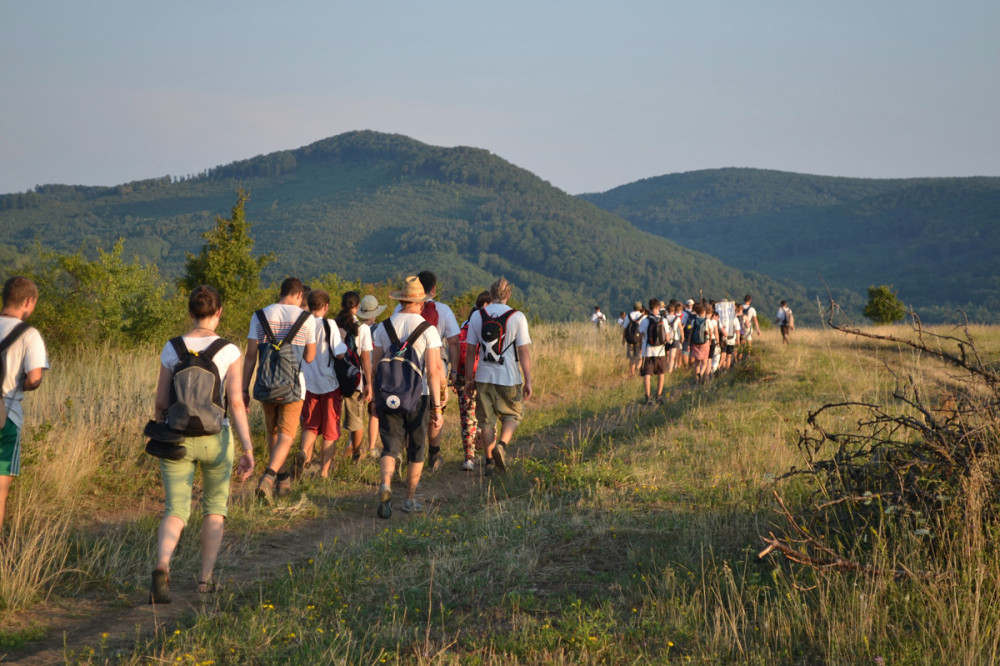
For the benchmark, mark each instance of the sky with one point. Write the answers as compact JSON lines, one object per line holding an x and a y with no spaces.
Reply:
{"x":587,"y":95}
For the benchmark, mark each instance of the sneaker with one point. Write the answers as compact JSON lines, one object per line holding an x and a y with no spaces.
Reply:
{"x":649,"y":401}
{"x":500,"y":457}
{"x":435,"y":463}
{"x":489,"y":469}
{"x":412,"y":506}
{"x":265,"y":487}
{"x":469,"y":465}
{"x":659,"y":399}
{"x":384,"y":502}
{"x":284,"y":486}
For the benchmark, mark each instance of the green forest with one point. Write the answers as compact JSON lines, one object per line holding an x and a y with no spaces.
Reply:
{"x":372,"y":207}
{"x":934,"y":239}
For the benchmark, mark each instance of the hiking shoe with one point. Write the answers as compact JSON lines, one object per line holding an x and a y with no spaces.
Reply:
{"x":469,"y":465}
{"x":489,"y":468}
{"x":435,"y":463}
{"x":412,"y":506}
{"x":159,"y":588}
{"x":500,"y":457}
{"x":649,"y":401}
{"x":384,"y":502}
{"x":265,"y":488}
{"x":659,"y":399}
{"x":284,"y":486}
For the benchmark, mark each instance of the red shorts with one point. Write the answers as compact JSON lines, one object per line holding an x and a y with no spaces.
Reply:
{"x":321,"y":414}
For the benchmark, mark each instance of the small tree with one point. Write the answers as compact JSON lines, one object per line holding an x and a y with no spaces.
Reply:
{"x":226,"y":261}
{"x":884,"y":307}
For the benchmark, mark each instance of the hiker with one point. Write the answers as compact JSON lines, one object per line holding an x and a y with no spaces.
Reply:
{"x":687,"y":314}
{"x":321,"y":407}
{"x":23,"y":361}
{"x":368,"y":312}
{"x":730,"y":340}
{"x":622,"y":319}
{"x":653,"y":330}
{"x":632,"y":338}
{"x":213,"y":453}
{"x":675,"y":336}
{"x":441,"y":317}
{"x":407,"y":386}
{"x":752,"y":325}
{"x":467,"y":401}
{"x":786,"y":320}
{"x":500,"y":336}
{"x":700,"y":343}
{"x":598,"y":319}
{"x":279,"y":386}
{"x":744,"y":325}
{"x":714,"y":330}
{"x":358,"y":339}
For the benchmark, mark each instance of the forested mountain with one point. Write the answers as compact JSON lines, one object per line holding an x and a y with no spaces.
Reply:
{"x":375,"y":206}
{"x":934,"y":239}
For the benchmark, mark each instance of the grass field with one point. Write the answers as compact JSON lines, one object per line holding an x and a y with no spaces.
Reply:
{"x":622,"y":533}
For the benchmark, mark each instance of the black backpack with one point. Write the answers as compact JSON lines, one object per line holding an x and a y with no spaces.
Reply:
{"x":491,"y":335}
{"x":348,"y":368}
{"x":196,"y":407}
{"x":398,"y":381}
{"x":655,"y":335}
{"x":11,"y":338}
{"x":632,"y":335}
{"x":278,"y":368}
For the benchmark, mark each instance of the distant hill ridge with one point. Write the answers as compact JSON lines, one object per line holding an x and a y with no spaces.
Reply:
{"x":935,"y":239}
{"x":374,"y":206}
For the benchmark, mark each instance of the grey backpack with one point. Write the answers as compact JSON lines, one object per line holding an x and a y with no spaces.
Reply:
{"x":278,"y":365}
{"x":196,"y":407}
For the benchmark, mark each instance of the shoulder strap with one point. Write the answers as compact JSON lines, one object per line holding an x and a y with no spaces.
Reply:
{"x":14,"y":334}
{"x":390,"y":330}
{"x":214,"y":348}
{"x":503,"y":320}
{"x":266,"y":327}
{"x":179,"y":347}
{"x":293,"y":331}
{"x":417,"y":332}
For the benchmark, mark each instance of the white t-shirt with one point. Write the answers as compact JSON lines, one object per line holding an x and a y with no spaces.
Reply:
{"x":751,"y":314}
{"x":26,"y":354}
{"x":657,"y":350}
{"x":598,"y":319}
{"x":281,"y":319}
{"x":710,"y":326}
{"x":405,"y":323}
{"x":675,"y":332}
{"x":447,"y":325}
{"x":224,"y":358}
{"x":499,"y":366}
{"x":320,"y":376}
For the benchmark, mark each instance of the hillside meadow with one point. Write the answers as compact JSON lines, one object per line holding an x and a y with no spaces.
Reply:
{"x":621,"y":534}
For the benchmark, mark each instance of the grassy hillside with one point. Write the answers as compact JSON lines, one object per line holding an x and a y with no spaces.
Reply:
{"x":374,"y":206}
{"x":933,"y":239}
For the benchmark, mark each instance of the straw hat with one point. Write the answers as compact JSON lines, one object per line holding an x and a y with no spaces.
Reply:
{"x":411,"y":291}
{"x":369,"y":308}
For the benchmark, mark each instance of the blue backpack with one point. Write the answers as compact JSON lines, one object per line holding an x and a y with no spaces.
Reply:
{"x":398,"y":381}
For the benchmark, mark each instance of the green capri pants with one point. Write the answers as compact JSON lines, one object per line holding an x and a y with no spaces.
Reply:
{"x":215,"y":455}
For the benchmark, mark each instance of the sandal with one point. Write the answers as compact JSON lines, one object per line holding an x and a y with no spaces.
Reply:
{"x":159,"y":588}
{"x":208,"y":586}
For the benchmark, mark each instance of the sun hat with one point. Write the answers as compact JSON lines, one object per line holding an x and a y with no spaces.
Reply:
{"x":690,"y":301}
{"x":369,"y":308}
{"x":410,"y":291}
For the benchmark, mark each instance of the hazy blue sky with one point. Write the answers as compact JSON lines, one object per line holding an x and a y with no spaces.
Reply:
{"x":588,"y":95}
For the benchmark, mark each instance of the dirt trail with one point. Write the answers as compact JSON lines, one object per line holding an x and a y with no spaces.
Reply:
{"x":85,"y":625}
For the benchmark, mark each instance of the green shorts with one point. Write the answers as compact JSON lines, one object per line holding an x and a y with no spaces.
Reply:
{"x":10,"y":449}
{"x":214,"y":453}
{"x":353,"y":414}
{"x":497,"y":402}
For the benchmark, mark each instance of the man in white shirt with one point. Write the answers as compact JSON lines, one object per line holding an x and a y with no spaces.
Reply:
{"x":281,"y":420}
{"x":408,"y":431}
{"x":500,"y":337}
{"x":24,"y":361}
{"x":653,"y":331}
{"x":751,"y":314}
{"x":598,"y":319}
{"x":633,"y":347}
{"x":321,"y":407}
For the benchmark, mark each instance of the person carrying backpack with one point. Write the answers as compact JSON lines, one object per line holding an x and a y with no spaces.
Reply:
{"x":22,"y":362}
{"x":500,"y":336}
{"x":281,"y":337}
{"x":700,"y":342}
{"x":786,"y":320}
{"x":467,"y":401}
{"x":321,"y":407}
{"x":178,"y":397}
{"x":406,"y":388}
{"x":632,"y":338}
{"x":358,"y":339}
{"x":653,"y":330}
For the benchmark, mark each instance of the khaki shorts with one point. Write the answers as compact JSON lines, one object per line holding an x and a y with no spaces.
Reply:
{"x":495,"y":402}
{"x":282,"y":418}
{"x":633,"y":352}
{"x":353,"y":413}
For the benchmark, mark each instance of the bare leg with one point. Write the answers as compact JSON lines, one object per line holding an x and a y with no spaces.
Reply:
{"x":413,"y":478}
{"x":279,"y":452}
{"x":5,"y":482}
{"x":166,"y":542}
{"x":308,"y":440}
{"x":326,"y":456}
{"x":212,"y":527}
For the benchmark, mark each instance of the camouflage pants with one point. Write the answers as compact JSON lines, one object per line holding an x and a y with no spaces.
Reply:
{"x":470,"y":426}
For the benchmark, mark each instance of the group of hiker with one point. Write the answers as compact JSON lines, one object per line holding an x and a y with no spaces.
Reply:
{"x":308,"y":372}
{"x":704,"y":337}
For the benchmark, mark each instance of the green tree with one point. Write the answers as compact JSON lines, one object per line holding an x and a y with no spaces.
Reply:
{"x":884,"y":307}
{"x":226,"y":260}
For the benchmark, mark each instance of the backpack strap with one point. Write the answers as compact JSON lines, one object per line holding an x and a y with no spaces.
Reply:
{"x":391,"y":332}
{"x":179,"y":347}
{"x":502,"y":320}
{"x":293,"y":331}
{"x":417,"y":332}
{"x":266,"y":327}
{"x":214,"y":348}
{"x":14,"y":334}
{"x":329,"y":341}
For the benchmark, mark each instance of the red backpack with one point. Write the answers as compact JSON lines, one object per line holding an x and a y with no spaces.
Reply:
{"x":463,"y":350}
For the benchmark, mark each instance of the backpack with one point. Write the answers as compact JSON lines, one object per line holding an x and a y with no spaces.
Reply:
{"x":744,"y":323}
{"x":492,"y":333}
{"x":11,"y":338}
{"x":671,"y":321}
{"x":699,"y":330}
{"x":398,"y":381}
{"x":789,"y":318}
{"x":196,"y":407}
{"x":429,"y":312}
{"x":655,"y":335}
{"x":348,"y":368}
{"x":632,"y":335}
{"x":278,"y":368}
